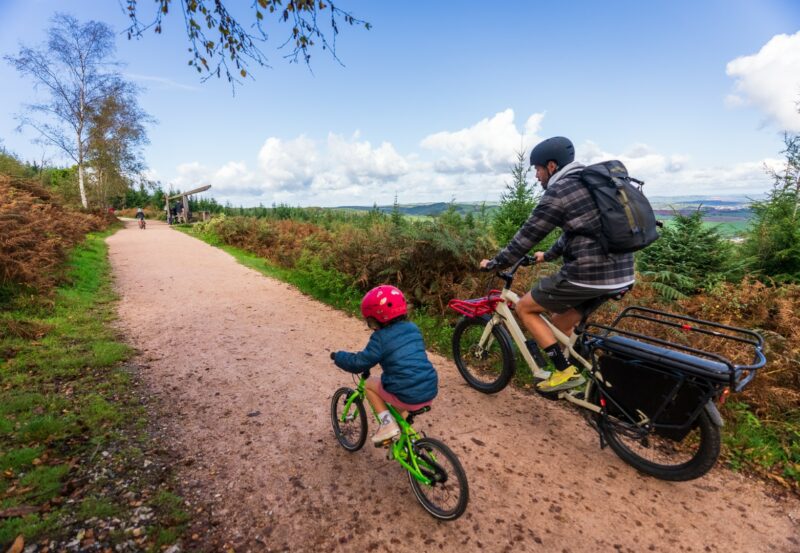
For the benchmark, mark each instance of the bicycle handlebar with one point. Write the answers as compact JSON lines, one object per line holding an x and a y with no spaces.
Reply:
{"x":365,"y":375}
{"x":508,"y":276}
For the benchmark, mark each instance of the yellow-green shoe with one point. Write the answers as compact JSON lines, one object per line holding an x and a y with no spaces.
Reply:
{"x":561,"y":380}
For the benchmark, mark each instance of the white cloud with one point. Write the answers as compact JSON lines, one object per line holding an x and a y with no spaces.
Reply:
{"x":360,"y":159}
{"x":471,"y":164}
{"x":486,"y":147}
{"x":669,"y":175}
{"x":770,"y":80}
{"x":162,"y":83}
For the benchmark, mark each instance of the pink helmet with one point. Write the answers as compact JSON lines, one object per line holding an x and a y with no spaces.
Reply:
{"x":383,"y":303}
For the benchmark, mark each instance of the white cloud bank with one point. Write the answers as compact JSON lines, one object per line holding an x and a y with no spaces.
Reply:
{"x":470,"y":164}
{"x":483,"y":147}
{"x":770,"y":81}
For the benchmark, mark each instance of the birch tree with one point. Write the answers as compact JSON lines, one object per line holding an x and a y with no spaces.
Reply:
{"x":76,"y":69}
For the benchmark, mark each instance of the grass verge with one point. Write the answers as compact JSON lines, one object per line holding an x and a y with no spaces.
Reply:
{"x":69,"y":415}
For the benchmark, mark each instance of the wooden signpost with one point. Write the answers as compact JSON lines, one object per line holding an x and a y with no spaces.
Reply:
{"x":184,"y":215}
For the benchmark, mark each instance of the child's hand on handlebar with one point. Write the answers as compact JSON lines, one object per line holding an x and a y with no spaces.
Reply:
{"x":538,"y":257}
{"x":488,"y":264}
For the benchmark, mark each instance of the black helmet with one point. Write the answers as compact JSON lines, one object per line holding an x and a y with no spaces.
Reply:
{"x":558,"y":149}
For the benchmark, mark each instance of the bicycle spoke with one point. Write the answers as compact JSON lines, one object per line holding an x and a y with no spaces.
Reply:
{"x":447,"y":494}
{"x":485,"y":362}
{"x":657,"y":449}
{"x":349,"y":422}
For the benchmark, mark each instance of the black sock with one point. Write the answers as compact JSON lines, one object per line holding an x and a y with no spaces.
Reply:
{"x":536,"y":353}
{"x":557,"y":356}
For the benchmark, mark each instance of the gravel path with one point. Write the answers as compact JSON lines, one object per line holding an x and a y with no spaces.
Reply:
{"x":240,"y":363}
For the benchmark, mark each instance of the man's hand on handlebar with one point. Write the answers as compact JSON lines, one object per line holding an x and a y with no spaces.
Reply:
{"x":538,"y":257}
{"x":488,"y":264}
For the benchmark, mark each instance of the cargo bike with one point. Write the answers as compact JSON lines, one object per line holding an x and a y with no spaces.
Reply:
{"x":652,"y":377}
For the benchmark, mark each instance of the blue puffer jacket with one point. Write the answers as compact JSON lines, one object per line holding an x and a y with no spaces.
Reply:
{"x":407,"y":372}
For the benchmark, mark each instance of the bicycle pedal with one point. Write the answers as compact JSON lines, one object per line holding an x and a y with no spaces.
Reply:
{"x":576,"y":394}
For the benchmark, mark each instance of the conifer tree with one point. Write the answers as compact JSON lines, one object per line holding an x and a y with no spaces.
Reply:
{"x":516,"y":203}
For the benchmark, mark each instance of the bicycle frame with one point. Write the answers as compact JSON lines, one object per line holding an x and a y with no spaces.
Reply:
{"x":503,"y":315}
{"x":402,"y":449}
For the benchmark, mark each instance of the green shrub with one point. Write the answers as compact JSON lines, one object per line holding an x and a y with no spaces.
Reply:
{"x":772,"y":243}
{"x":688,"y":258}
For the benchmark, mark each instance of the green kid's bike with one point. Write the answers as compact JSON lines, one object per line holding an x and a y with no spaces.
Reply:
{"x":434,"y":471}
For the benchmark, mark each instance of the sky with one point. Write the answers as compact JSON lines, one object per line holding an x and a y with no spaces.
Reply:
{"x":433,"y":103}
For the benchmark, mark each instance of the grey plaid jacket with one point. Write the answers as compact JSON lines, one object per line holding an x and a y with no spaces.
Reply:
{"x":568,"y":204}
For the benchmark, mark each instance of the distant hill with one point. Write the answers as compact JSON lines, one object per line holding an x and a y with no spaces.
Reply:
{"x":426,"y":210}
{"x":693,"y":202}
{"x":730,"y":213}
{"x":736,"y":207}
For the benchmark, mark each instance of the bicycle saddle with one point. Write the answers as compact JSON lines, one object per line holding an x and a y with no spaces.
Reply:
{"x":420,"y":411}
{"x":415,"y":412}
{"x":617,"y":295}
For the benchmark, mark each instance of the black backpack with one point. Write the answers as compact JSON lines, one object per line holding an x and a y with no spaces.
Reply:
{"x":628,"y":221}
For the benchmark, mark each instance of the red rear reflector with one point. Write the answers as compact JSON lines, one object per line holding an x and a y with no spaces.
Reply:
{"x":602,"y":402}
{"x":686,"y":327}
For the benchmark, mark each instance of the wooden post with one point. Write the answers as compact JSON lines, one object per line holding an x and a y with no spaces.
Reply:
{"x":185,"y":208}
{"x":184,"y":199}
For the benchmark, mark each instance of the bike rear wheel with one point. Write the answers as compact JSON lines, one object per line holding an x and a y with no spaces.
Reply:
{"x":352,"y":431}
{"x":662,"y":457}
{"x":487,"y":368}
{"x":447,"y":497}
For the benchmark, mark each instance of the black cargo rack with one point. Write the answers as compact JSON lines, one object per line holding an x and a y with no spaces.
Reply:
{"x":706,"y":364}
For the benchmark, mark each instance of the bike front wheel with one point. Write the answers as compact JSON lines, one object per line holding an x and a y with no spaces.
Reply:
{"x":447,"y":495}
{"x":350,"y":427}
{"x":661,"y":457}
{"x":487,"y":367}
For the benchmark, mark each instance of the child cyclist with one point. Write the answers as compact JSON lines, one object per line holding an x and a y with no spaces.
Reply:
{"x":408,"y":381}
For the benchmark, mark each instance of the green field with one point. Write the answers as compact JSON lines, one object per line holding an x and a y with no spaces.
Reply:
{"x":729,"y":229}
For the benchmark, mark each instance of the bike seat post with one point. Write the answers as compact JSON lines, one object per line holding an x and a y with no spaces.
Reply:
{"x":591,"y":307}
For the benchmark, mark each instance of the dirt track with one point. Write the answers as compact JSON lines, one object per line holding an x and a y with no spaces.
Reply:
{"x":219,"y":342}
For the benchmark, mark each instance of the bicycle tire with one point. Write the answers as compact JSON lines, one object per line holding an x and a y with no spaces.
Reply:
{"x":359,"y":427}
{"x":704,"y":457}
{"x":487,"y":379}
{"x":430,"y":455}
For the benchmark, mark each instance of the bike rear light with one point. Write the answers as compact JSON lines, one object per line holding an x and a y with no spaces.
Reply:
{"x":724,"y":396}
{"x":686,"y":327}
{"x":603,"y":402}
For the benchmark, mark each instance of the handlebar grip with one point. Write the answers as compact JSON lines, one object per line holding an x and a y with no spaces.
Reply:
{"x":333,"y":355}
{"x":365,"y":375}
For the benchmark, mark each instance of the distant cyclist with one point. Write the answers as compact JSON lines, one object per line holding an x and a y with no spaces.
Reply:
{"x":140,"y":217}
{"x":588,"y":271}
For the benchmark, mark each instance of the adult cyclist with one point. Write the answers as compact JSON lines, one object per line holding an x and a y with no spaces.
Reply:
{"x":140,"y":217}
{"x":588,"y":271}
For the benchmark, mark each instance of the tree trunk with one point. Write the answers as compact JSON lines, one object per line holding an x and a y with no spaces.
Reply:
{"x":81,"y":187}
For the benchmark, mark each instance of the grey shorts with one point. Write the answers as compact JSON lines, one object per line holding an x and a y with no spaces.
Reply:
{"x":557,"y":295}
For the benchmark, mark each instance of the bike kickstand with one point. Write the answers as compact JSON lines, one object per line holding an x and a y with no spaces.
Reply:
{"x":596,"y":426}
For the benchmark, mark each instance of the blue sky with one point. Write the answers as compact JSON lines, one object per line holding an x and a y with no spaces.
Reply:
{"x":432,"y":103}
